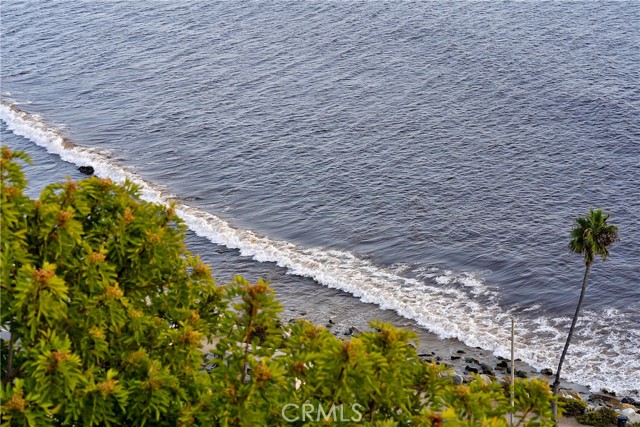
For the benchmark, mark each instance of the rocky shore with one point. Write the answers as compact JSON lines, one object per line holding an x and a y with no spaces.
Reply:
{"x":466,"y":361}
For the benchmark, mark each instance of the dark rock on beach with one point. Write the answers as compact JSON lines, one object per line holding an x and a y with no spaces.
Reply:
{"x":630,"y":401}
{"x":486,"y":369}
{"x":546,"y":371}
{"x":353,"y":330}
{"x":472,"y":370}
{"x":87,"y":170}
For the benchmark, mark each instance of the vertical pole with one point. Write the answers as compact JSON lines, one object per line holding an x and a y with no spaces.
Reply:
{"x":513,"y":363}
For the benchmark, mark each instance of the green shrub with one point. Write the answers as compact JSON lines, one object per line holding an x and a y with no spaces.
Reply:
{"x":573,"y":407}
{"x":602,"y":417}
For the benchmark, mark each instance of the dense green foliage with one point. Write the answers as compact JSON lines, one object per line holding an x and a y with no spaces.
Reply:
{"x":109,"y":315}
{"x":573,"y":407}
{"x":105,"y":307}
{"x":592,"y":236}
{"x":601,"y":417}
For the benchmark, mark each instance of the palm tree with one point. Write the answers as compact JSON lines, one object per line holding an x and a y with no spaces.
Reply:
{"x":591,"y":236}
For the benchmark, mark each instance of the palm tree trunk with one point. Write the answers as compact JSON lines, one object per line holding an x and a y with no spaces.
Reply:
{"x":556,"y":383}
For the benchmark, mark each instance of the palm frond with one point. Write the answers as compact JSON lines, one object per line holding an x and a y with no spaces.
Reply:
{"x":591,"y":235}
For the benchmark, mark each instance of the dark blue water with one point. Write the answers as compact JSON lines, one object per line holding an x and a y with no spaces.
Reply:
{"x":425,"y":157}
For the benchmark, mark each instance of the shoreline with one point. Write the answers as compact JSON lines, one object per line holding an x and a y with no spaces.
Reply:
{"x":463,"y":359}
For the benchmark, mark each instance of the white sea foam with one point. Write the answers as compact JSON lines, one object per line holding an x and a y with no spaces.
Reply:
{"x":450,"y":304}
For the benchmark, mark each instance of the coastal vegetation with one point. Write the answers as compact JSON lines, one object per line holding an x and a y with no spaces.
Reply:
{"x":572,"y":406}
{"x":601,"y":417}
{"x":109,"y":320}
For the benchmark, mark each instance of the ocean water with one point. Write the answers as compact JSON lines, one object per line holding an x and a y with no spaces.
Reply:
{"x":425,"y":157}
